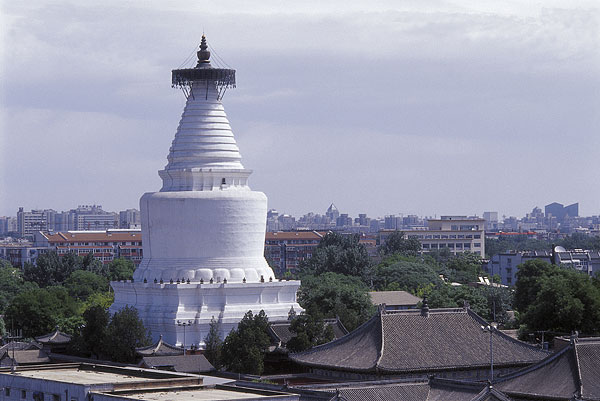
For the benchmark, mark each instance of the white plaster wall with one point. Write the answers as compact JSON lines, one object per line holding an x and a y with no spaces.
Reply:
{"x":161,"y":305}
{"x":204,"y":234}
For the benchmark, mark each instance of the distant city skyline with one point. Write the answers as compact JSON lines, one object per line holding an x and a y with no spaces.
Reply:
{"x":395,"y":107}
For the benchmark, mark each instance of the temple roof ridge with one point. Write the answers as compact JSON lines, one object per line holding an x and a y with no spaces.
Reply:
{"x":160,"y":348}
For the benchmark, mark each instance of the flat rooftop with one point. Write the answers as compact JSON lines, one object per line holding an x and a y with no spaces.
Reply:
{"x":82,"y":376}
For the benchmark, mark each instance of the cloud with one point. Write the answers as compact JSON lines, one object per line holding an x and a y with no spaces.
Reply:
{"x":389,"y":106}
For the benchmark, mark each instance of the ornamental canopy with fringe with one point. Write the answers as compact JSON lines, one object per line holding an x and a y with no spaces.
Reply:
{"x":223,"y":78}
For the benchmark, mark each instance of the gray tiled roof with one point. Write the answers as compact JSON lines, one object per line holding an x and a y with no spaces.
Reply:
{"x":573,"y":369}
{"x":408,"y":390}
{"x":24,"y":357}
{"x":160,"y":348}
{"x":56,"y":337}
{"x":406,"y":341}
{"x":401,"y":298}
{"x":359,"y":350}
{"x":180,"y":363}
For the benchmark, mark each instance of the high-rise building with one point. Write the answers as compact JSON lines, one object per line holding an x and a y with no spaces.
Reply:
{"x":491,"y":221}
{"x":30,"y":222}
{"x":129,"y":219}
{"x":204,"y":232}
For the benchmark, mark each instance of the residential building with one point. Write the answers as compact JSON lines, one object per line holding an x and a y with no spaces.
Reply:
{"x":20,"y":252}
{"x":34,"y":220}
{"x":129,"y":219}
{"x":506,"y":264}
{"x":8,"y":225}
{"x":456,"y":233}
{"x":286,"y":249}
{"x":105,"y":245}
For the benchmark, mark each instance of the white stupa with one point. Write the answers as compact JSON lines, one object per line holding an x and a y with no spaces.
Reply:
{"x":204,"y":232}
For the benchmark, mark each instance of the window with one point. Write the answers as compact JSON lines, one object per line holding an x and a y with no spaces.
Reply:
{"x":23,"y":394}
{"x":7,"y":391}
{"x":509,"y":280}
{"x":55,"y":397}
{"x":467,"y":246}
{"x":425,"y":246}
{"x":459,"y":246}
{"x":478,"y":245}
{"x":477,"y":236}
{"x":451,"y":245}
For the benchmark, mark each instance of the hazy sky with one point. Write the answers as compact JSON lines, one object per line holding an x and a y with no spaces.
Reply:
{"x":414,"y":107}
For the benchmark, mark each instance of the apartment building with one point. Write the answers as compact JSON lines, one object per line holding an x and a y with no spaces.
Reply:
{"x":285,"y":250}
{"x":456,"y":233}
{"x":104,"y":245}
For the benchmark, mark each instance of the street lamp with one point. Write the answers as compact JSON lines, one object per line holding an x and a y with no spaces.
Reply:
{"x":184,"y":324}
{"x":490,"y":328}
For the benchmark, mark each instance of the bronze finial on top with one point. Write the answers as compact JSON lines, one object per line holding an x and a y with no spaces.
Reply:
{"x":203,"y":53}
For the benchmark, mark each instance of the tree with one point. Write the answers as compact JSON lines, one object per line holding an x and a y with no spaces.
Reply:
{"x":405,"y":273}
{"x":120,"y":269}
{"x":125,"y":333}
{"x":528,"y":283}
{"x":309,"y":331}
{"x":40,"y":310}
{"x":245,"y":346}
{"x":81,"y":284}
{"x":11,"y":284}
{"x":95,"y":332}
{"x":464,"y":267}
{"x":338,"y":254}
{"x":331,"y":294}
{"x":397,"y":242}
{"x":93,"y":265}
{"x":214,"y":344}
{"x":565,"y":300}
{"x":553,"y":298}
{"x":52,"y":269}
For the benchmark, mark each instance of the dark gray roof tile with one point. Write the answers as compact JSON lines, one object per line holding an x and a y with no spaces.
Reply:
{"x":406,"y":341}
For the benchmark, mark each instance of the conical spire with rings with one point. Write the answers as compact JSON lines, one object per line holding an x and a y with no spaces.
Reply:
{"x":204,"y":154}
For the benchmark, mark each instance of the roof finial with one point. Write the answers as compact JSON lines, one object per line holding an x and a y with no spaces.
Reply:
{"x":425,"y":308}
{"x":203,"y":53}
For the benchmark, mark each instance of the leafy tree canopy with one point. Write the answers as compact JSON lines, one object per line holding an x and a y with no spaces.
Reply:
{"x":214,"y":344}
{"x":557,"y":299}
{"x":125,"y":333}
{"x":39,"y":311}
{"x":11,"y":284}
{"x":485,"y":301}
{"x":81,"y":284}
{"x":120,"y":269}
{"x":404,"y":273}
{"x":397,"y":242}
{"x":245,"y":346}
{"x":338,"y":253}
{"x":331,"y":294}
{"x":309,"y":331}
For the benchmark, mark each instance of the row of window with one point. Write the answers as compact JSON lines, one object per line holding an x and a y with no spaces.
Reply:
{"x":139,"y":243}
{"x":35,"y":395}
{"x":445,"y":236}
{"x":451,"y":245}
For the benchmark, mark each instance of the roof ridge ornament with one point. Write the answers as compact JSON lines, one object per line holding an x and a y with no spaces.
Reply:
{"x":425,"y":308}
